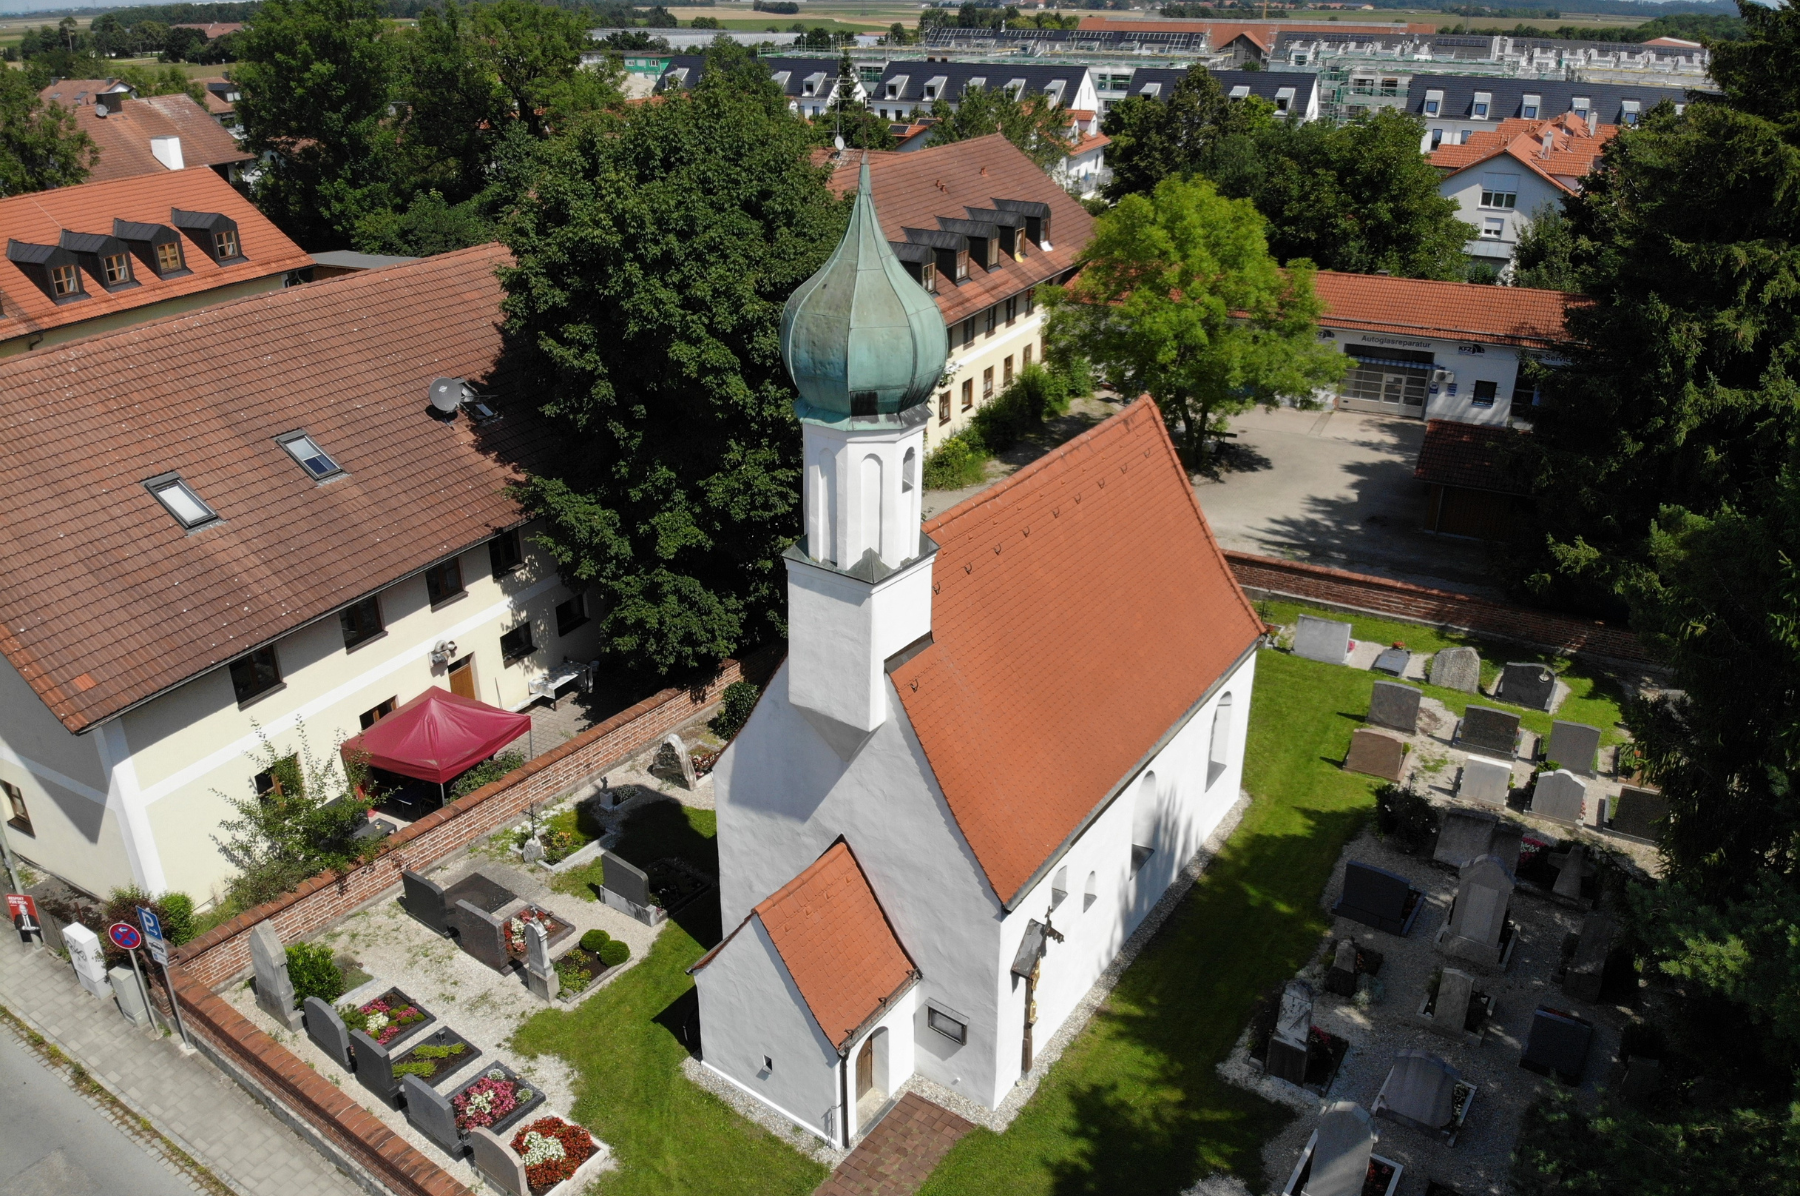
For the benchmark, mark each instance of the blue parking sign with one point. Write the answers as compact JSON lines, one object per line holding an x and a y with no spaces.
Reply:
{"x":153,"y":935}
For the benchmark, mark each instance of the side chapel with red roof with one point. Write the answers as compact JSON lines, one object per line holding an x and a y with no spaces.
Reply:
{"x":997,"y":739}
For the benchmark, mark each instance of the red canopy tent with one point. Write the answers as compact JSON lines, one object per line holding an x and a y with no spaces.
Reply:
{"x":437,"y":736}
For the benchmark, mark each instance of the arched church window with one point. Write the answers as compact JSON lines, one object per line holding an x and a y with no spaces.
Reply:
{"x":1219,"y":752}
{"x":871,"y":508}
{"x":908,"y":469}
{"x":1145,"y":814}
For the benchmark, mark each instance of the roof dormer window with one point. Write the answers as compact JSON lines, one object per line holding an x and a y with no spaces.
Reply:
{"x":55,"y":268}
{"x":1434,"y":101}
{"x":896,"y":88}
{"x":1484,"y":100}
{"x":179,"y":499}
{"x":309,"y":456}
{"x":1240,"y":91}
{"x":1628,"y":112}
{"x":1284,"y":99}
{"x":214,"y":232}
{"x":168,"y":257}
{"x":65,"y":281}
{"x":1529,"y":109}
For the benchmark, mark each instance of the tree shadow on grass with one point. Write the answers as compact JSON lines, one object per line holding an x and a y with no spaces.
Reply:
{"x":1162,"y":1118}
{"x":663,"y":829}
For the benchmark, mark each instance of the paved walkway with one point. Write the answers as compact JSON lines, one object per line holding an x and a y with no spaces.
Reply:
{"x":899,"y":1153}
{"x":185,"y":1097}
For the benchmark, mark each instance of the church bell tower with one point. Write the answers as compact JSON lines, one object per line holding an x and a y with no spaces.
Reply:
{"x":865,"y":345}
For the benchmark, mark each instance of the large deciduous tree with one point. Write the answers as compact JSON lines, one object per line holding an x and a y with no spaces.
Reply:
{"x":1192,"y":132}
{"x":1036,"y":126}
{"x":655,"y":252}
{"x":40,"y":145}
{"x":1180,"y":298}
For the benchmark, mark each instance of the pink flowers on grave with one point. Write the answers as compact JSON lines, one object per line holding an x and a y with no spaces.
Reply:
{"x":486,"y":1101}
{"x":515,"y":927}
{"x":384,"y":1020}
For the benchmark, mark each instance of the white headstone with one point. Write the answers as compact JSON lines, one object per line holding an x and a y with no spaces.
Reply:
{"x":1559,"y":796}
{"x":274,"y":991}
{"x":532,"y":852}
{"x":1457,"y":668}
{"x":675,"y":744}
{"x":88,"y":957}
{"x":1455,"y":991}
{"x":1322,"y":639}
{"x":1478,"y":919}
{"x":1340,"y":1164}
{"x":1486,"y":781}
{"x":540,"y":973}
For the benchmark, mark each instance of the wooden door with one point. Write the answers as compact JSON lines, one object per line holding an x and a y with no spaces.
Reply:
{"x":462,"y":677}
{"x":865,"y":1068}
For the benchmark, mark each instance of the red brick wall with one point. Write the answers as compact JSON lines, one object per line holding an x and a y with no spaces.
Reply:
{"x":1440,"y":608}
{"x":224,"y":952}
{"x":355,"y":1130}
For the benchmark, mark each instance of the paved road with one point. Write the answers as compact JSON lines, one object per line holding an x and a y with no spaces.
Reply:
{"x":55,"y":1142}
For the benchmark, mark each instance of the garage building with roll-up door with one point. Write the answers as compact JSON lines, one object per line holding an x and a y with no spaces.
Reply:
{"x":1439,"y":350}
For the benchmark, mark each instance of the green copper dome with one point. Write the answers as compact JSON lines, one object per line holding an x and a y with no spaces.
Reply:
{"x":860,"y":337}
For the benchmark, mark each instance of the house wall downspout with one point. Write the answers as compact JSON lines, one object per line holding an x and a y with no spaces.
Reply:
{"x":844,"y":1099}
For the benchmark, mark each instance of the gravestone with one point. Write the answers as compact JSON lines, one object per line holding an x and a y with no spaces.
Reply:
{"x":1559,"y":796}
{"x":1639,"y":813}
{"x":1557,"y":1044}
{"x":1586,"y":973}
{"x":374,"y":1067}
{"x":1344,"y":1141}
{"x":1595,"y":815}
{"x":673,"y":754}
{"x":1322,"y":639}
{"x":423,"y":898}
{"x":625,"y":878}
{"x":497,"y":1163}
{"x":1466,"y":835}
{"x":1643,"y":1079}
{"x":481,"y":934}
{"x":1375,"y":754}
{"x":1486,"y":781}
{"x":131,"y":1001}
{"x":1376,"y":897}
{"x":1457,"y":668}
{"x":327,"y":1030}
{"x":429,"y":1112}
{"x":1293,"y":1027}
{"x":89,"y":959}
{"x":1396,"y":706}
{"x":540,"y":973}
{"x":1476,"y":927}
{"x":1485,"y":729}
{"x":1393,"y":661}
{"x":1568,"y":879}
{"x":1340,"y":978}
{"x":1527,"y":684}
{"x":1450,"y":1013}
{"x":1420,"y":1092}
{"x":1573,"y":746}
{"x":274,"y":991}
{"x":532,"y":852}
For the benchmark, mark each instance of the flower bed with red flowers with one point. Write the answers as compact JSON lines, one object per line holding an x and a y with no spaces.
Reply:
{"x":552,"y":1150}
{"x":487,"y":1100}
{"x":515,"y":928}
{"x":386,"y":1017}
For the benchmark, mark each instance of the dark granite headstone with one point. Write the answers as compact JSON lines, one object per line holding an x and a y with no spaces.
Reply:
{"x":1393,"y":661}
{"x":1420,"y":1092}
{"x":480,"y":933}
{"x":1557,"y":1044}
{"x":1485,"y":729}
{"x":497,"y":1163}
{"x":374,"y":1067}
{"x":1376,"y":897}
{"x":1287,"y":1061}
{"x":624,"y":878}
{"x":429,"y":1112}
{"x":1586,"y":973}
{"x":1573,"y":746}
{"x":423,"y":898}
{"x":1293,"y":1029}
{"x":1466,"y":835}
{"x":1639,"y":813}
{"x":326,"y":1029}
{"x":1527,"y":684}
{"x":1396,"y":706}
{"x":1375,"y":754}
{"x":1340,"y":978}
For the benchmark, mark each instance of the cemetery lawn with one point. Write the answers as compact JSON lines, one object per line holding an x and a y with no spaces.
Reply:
{"x":670,"y":1136}
{"x":1594,"y":698}
{"x":1135,"y":1104}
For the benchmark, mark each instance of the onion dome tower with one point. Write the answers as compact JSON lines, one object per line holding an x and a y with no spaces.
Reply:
{"x":866,"y":346}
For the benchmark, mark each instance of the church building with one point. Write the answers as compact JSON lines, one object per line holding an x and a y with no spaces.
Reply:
{"x":996,"y":740}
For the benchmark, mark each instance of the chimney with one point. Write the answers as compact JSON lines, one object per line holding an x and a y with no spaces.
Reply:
{"x":1593,"y":122}
{"x":1549,"y":141}
{"x":167,"y":150}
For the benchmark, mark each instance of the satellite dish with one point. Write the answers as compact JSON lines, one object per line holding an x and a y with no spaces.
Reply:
{"x":839,"y":142}
{"x":446,"y":396}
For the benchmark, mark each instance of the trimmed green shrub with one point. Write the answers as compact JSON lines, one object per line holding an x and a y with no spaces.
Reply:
{"x":314,"y":973}
{"x":595,"y":940}
{"x":178,"y":917}
{"x":613,"y":953}
{"x":735,"y":705}
{"x":957,"y":462}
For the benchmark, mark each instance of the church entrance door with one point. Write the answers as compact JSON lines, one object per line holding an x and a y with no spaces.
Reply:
{"x":865,"y":1069}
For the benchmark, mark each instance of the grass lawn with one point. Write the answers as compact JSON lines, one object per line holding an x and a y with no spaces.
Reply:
{"x":1135,"y":1104}
{"x":1594,"y":698}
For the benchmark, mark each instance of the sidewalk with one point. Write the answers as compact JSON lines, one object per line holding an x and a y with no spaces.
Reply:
{"x":189,"y":1100}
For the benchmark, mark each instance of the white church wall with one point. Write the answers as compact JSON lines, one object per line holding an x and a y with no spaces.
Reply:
{"x":1190,"y":799}
{"x":751,"y":1012}
{"x":837,"y":621}
{"x":784,"y":796}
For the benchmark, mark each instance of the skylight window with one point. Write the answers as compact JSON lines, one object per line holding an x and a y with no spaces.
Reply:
{"x":180,"y":501}
{"x":314,"y":460}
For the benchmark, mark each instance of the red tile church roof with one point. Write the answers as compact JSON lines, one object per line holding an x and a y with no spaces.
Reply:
{"x":1082,"y":609}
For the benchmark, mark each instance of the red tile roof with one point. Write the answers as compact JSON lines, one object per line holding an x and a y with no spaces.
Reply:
{"x":1468,"y":456}
{"x":1457,"y":311}
{"x":213,"y":29}
{"x":71,"y":93}
{"x":108,"y":602}
{"x":836,"y":943}
{"x":1082,"y":608}
{"x":913,"y":189}
{"x":124,"y":134}
{"x":39,"y":218}
{"x":1573,"y":148}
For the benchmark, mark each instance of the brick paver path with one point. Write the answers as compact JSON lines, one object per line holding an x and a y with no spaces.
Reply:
{"x":194,"y":1104}
{"x":899,"y":1153}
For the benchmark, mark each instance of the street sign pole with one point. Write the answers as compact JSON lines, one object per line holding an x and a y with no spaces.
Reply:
{"x":159,"y":951}
{"x":143,"y":989}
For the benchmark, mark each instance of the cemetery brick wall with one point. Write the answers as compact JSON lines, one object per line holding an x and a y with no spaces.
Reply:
{"x":391,"y":1159}
{"x":1272,"y":577}
{"x":223,"y":953}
